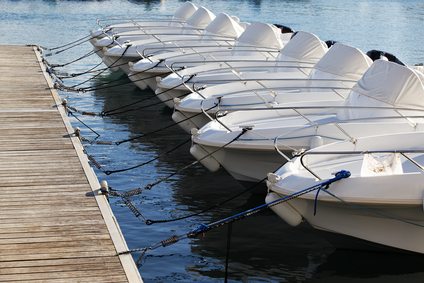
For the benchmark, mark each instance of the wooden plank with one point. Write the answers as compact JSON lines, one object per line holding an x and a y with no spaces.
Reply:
{"x":54,"y":227}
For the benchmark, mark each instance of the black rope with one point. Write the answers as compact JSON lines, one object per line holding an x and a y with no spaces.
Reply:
{"x":109,"y":172}
{"x":82,"y":112}
{"x":69,"y":43}
{"x":227,"y":254}
{"x":67,"y":48}
{"x":82,"y":122}
{"x":107,"y":84}
{"x":216,"y":205}
{"x":100,"y":142}
{"x":90,"y":53}
{"x":163,"y":128}
{"x":149,"y":186}
{"x":109,"y":67}
{"x":148,"y":105}
{"x":105,"y":113}
{"x":62,"y":76}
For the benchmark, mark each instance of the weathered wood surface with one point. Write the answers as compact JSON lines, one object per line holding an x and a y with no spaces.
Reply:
{"x":51,"y":228}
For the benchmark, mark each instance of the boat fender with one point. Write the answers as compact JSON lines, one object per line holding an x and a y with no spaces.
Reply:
{"x":273,"y":178}
{"x":194,"y":132}
{"x":177,"y":101}
{"x":316,"y":141}
{"x":209,"y":162}
{"x":284,"y":210}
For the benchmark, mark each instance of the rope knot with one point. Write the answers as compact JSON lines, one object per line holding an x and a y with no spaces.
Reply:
{"x":342,"y":174}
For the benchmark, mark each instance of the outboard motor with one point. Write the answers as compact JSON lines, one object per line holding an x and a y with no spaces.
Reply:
{"x":284,"y":29}
{"x":378,"y":54}
{"x":330,"y":43}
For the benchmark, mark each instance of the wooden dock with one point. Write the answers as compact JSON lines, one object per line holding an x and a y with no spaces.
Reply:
{"x":52,"y":228}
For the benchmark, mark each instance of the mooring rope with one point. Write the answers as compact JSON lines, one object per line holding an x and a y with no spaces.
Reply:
{"x":107,"y":85}
{"x":126,"y":195}
{"x":102,"y":142}
{"x":82,"y":122}
{"x":204,"y":228}
{"x":109,"y":172}
{"x":85,"y":38}
{"x":98,"y":74}
{"x":65,"y":49}
{"x":149,"y":186}
{"x":90,"y":53}
{"x":212,"y":207}
{"x":63,"y":75}
{"x":163,"y":128}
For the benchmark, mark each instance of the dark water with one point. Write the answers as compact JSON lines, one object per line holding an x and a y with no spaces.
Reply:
{"x":264,"y":249}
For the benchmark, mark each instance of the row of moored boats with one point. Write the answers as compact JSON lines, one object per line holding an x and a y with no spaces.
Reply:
{"x":261,"y":99}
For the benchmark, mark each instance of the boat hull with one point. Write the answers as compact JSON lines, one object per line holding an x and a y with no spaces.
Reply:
{"x":189,"y":120}
{"x":244,"y":165}
{"x":387,"y":225}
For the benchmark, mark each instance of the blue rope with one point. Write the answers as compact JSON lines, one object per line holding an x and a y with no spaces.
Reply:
{"x":203,"y":228}
{"x":316,"y":198}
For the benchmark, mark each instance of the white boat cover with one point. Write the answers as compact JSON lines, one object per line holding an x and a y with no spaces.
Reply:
{"x":303,"y":46}
{"x":261,"y":35}
{"x":201,"y":18}
{"x":385,"y":84}
{"x":224,"y":25}
{"x":342,"y":61}
{"x":185,"y":11}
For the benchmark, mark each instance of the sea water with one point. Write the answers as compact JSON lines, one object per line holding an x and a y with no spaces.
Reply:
{"x":263,"y":247}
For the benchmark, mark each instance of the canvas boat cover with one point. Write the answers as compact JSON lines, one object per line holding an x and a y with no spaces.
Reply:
{"x":305,"y":47}
{"x":224,"y":25}
{"x":201,"y":18}
{"x":261,"y":35}
{"x":385,"y":84}
{"x":342,"y":61}
{"x":185,"y":11}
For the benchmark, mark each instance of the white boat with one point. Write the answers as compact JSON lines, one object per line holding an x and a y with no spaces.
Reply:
{"x":328,"y":82}
{"x":382,"y":200}
{"x":259,"y":41}
{"x":195,"y":29}
{"x":388,"y":98}
{"x":192,"y":28}
{"x":295,"y":60}
{"x":112,"y":29}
